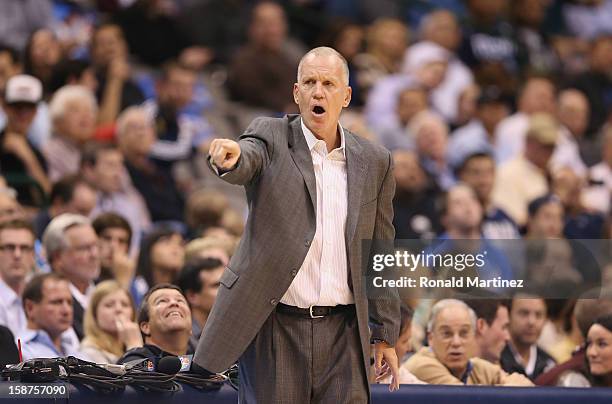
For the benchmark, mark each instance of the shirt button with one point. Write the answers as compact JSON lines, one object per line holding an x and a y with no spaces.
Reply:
{"x":273,"y":301}
{"x":293,"y":272}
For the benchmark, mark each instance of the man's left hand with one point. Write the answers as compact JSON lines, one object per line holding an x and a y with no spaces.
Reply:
{"x":386,"y":362}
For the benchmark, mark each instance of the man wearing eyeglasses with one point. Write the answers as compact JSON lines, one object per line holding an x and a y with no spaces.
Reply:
{"x":16,"y":263}
{"x":450,"y":357}
{"x":72,"y":250}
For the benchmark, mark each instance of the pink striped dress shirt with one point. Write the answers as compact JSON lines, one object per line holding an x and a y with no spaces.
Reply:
{"x":323,"y":277}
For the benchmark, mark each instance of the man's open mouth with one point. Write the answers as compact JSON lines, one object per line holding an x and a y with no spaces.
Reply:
{"x":318,"y":110}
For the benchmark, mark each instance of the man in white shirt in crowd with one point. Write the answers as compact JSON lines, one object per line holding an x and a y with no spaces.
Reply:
{"x":16,"y":263}
{"x":72,"y":249}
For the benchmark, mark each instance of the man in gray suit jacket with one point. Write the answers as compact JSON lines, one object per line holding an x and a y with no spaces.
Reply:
{"x":292,"y":305}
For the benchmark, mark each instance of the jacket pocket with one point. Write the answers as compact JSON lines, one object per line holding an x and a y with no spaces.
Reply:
{"x":228,"y":278}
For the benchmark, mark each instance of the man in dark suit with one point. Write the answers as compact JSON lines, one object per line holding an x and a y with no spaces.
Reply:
{"x":292,"y":305}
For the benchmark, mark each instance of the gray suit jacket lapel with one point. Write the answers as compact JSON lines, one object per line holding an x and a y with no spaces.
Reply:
{"x":356,"y":167}
{"x":302,"y":158}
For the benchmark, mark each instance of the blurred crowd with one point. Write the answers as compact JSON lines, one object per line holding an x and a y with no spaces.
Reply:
{"x":114,"y":233}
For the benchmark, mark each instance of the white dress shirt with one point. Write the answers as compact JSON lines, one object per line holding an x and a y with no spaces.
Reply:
{"x":323,"y":277}
{"x":12,"y":314}
{"x":83,"y":299}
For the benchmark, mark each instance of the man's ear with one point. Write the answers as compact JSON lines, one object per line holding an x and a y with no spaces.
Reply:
{"x":29,"y":307}
{"x":481,"y":325}
{"x":347,"y":97}
{"x":295,"y":93}
{"x":192,"y":298}
{"x":145,"y":329}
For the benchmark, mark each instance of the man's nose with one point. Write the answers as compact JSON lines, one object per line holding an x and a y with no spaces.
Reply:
{"x":318,"y":91}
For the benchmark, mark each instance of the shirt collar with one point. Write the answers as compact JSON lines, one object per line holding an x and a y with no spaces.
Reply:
{"x":67,"y":339}
{"x":312,"y":140}
{"x":8,"y":295}
{"x":83,"y":299}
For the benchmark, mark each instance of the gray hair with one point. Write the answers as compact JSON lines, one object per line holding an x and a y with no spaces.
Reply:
{"x":124,"y":117}
{"x":54,"y":238}
{"x":325,"y":51}
{"x":445,"y":304}
{"x":68,"y":93}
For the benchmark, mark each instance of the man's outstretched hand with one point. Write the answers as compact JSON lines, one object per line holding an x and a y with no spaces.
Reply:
{"x":386,"y":362}
{"x":224,"y":153}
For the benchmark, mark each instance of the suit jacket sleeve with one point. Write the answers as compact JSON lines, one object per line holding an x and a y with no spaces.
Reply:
{"x":385,"y":312}
{"x":256,"y":150}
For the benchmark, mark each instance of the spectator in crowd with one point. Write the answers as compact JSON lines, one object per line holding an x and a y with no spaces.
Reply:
{"x":521,"y":354}
{"x":489,"y":46}
{"x":425,"y":65}
{"x":9,"y":206}
{"x":135,"y":137}
{"x":476,"y":168}
{"x":73,"y":110}
{"x":178,"y":133}
{"x":347,"y":37}
{"x":598,"y":195}
{"x":492,"y":324}
{"x":70,"y":194}
{"x":262,"y":72}
{"x":449,"y":358}
{"x":573,"y":115}
{"x":595,"y":82}
{"x":114,"y":239}
{"x":411,"y":100}
{"x":205,"y":209}
{"x":431,"y":141}
{"x":20,"y":18}
{"x":164,"y":319}
{"x":441,"y":27}
{"x":579,"y":222}
{"x":561,"y":335}
{"x":199,"y":280}
{"x":48,"y":307}
{"x":109,"y":57}
{"x":210,"y":247}
{"x":599,"y":351}
{"x":461,"y":215}
{"x":574,"y":373}
{"x":415,"y":214}
{"x":536,"y":96}
{"x":146,"y":22}
{"x":491,"y":108}
{"x":533,"y":41}
{"x":110,"y":326}
{"x":16,"y":265}
{"x":41,"y":54}
{"x":72,"y":249}
{"x":386,"y":42}
{"x":104,"y":169}
{"x":69,"y":71}
{"x":523,"y":178}
{"x":216,"y":24}
{"x":10,"y":65}
{"x":18,"y":155}
{"x":160,"y":260}
{"x":550,"y":256}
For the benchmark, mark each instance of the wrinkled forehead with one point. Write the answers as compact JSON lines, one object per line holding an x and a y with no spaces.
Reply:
{"x":322,"y":65}
{"x":453,"y":317}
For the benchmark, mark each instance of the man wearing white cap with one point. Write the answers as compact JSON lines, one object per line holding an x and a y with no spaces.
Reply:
{"x":20,"y":160}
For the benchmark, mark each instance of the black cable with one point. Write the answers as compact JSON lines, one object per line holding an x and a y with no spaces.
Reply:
{"x":214,"y":382}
